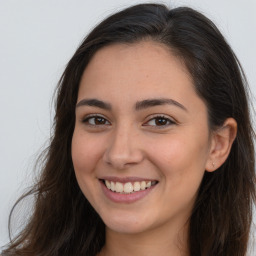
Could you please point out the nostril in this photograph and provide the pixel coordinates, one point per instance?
(121, 160)
(122, 150)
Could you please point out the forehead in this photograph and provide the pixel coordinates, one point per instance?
(141, 70)
(141, 57)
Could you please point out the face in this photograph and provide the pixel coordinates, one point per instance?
(141, 139)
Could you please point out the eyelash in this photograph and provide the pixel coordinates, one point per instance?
(168, 121)
(87, 119)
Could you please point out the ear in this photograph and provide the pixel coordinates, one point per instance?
(221, 143)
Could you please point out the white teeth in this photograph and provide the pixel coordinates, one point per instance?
(143, 185)
(119, 187)
(136, 186)
(112, 186)
(108, 184)
(128, 187)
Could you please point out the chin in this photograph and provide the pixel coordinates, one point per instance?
(126, 228)
(127, 223)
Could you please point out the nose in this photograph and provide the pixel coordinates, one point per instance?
(123, 149)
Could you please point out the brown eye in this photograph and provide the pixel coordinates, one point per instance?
(99, 120)
(159, 121)
(96, 120)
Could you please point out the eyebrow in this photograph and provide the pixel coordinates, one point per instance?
(94, 103)
(140, 105)
(157, 102)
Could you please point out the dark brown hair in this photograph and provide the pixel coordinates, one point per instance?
(63, 221)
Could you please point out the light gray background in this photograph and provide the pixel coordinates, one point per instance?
(37, 38)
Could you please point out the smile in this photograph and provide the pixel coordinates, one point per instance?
(128, 187)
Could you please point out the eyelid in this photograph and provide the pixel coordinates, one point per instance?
(171, 120)
(89, 116)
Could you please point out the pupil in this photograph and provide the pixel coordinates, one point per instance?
(161, 121)
(100, 120)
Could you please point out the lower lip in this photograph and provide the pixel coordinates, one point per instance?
(125, 198)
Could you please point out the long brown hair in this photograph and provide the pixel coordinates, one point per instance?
(63, 221)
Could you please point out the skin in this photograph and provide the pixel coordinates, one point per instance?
(134, 143)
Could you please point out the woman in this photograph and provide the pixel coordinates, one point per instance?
(152, 152)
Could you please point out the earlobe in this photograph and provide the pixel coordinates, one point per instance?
(221, 143)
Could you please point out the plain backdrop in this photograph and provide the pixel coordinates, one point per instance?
(37, 38)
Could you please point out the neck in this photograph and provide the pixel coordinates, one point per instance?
(164, 240)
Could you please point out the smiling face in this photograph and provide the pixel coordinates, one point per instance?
(141, 130)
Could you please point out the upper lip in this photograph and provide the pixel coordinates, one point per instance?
(125, 179)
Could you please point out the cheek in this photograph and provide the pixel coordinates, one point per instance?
(180, 159)
(85, 157)
(85, 152)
